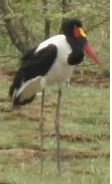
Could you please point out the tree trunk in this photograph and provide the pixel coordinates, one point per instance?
(64, 6)
(11, 28)
(47, 20)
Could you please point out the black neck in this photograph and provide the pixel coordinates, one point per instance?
(77, 54)
(76, 42)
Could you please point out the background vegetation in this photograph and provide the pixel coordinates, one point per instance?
(85, 105)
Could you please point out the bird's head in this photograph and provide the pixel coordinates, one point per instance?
(73, 28)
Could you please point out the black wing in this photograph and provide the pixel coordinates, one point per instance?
(34, 64)
(38, 63)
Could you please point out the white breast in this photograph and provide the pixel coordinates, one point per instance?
(59, 73)
(60, 70)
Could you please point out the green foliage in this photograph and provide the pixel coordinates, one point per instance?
(33, 15)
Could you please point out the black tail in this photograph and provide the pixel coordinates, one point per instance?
(16, 85)
(21, 76)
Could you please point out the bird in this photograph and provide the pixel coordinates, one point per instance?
(51, 62)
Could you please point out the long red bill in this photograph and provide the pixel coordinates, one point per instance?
(89, 50)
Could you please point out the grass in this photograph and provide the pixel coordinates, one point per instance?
(84, 137)
(75, 171)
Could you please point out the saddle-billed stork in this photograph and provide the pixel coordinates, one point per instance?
(51, 62)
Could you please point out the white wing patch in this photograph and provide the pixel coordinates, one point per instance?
(28, 89)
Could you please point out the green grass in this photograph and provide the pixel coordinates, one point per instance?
(84, 143)
(85, 171)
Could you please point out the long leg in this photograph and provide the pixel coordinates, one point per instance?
(57, 123)
(41, 131)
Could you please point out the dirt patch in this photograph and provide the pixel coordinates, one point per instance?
(91, 78)
(88, 77)
(83, 154)
(5, 109)
(4, 99)
(80, 137)
(27, 154)
(84, 172)
(19, 115)
(14, 114)
(5, 183)
(9, 73)
(88, 172)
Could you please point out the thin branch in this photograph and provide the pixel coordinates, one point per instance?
(101, 5)
(98, 24)
(10, 56)
(79, 4)
(28, 34)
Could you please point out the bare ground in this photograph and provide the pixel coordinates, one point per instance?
(27, 154)
(88, 77)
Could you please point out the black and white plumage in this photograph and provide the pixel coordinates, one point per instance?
(50, 63)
